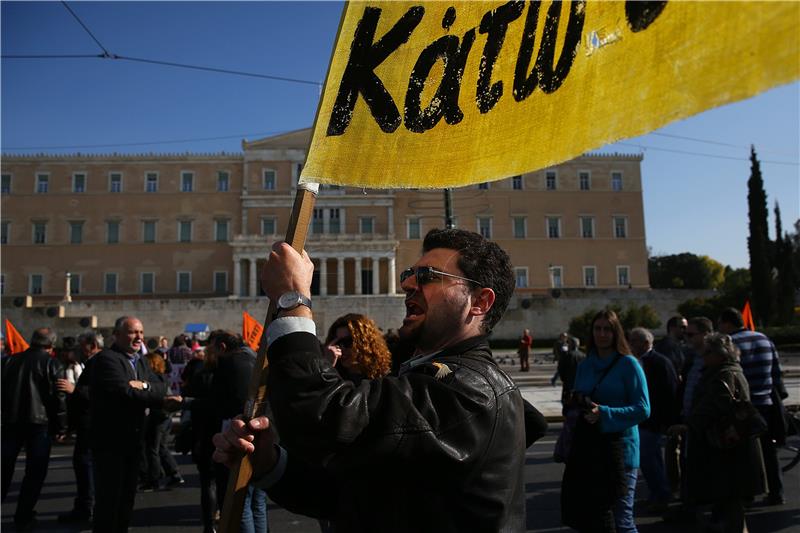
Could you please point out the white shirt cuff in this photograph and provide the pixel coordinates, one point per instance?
(267, 481)
(289, 324)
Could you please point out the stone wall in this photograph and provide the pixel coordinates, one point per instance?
(544, 315)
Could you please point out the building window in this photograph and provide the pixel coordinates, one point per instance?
(221, 230)
(2, 284)
(550, 180)
(40, 233)
(520, 227)
(112, 231)
(621, 227)
(5, 184)
(184, 231)
(585, 180)
(623, 276)
(616, 181)
(76, 232)
(79, 183)
(318, 222)
(149, 231)
(587, 227)
(184, 282)
(589, 276)
(220, 282)
(110, 283)
(151, 182)
(556, 277)
(147, 283)
(5, 229)
(187, 181)
(223, 181)
(413, 229)
(35, 283)
(268, 226)
(270, 177)
(366, 225)
(115, 182)
(485, 227)
(75, 284)
(483, 186)
(42, 183)
(516, 183)
(521, 275)
(335, 221)
(553, 227)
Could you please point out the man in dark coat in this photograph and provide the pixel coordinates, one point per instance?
(672, 345)
(662, 385)
(440, 447)
(121, 387)
(34, 412)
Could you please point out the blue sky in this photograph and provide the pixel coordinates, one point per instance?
(694, 203)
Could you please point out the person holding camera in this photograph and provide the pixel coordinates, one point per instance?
(611, 391)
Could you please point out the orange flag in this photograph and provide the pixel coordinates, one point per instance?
(747, 316)
(251, 330)
(15, 343)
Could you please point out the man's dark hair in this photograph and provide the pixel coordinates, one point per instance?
(703, 324)
(43, 338)
(232, 341)
(180, 340)
(732, 316)
(481, 260)
(69, 343)
(674, 321)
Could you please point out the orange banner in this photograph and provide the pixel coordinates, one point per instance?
(15, 343)
(252, 330)
(747, 316)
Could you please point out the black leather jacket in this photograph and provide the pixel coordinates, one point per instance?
(29, 390)
(440, 448)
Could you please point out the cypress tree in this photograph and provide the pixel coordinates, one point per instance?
(786, 284)
(758, 243)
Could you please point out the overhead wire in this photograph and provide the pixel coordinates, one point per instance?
(702, 154)
(105, 51)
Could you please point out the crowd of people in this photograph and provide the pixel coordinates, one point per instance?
(414, 430)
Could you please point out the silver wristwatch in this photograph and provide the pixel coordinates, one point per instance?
(290, 300)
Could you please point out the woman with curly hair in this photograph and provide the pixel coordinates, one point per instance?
(357, 348)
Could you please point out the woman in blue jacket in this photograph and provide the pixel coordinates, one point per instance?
(610, 386)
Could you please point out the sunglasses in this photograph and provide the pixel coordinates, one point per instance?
(427, 274)
(346, 342)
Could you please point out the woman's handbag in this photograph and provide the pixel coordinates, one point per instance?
(742, 422)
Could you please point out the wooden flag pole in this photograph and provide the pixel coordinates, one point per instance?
(242, 471)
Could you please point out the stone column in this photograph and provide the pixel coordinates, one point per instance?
(340, 275)
(392, 275)
(357, 269)
(253, 291)
(323, 276)
(376, 275)
(237, 277)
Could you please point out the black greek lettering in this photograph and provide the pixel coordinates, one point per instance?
(550, 79)
(449, 17)
(524, 83)
(359, 75)
(495, 24)
(445, 101)
(641, 14)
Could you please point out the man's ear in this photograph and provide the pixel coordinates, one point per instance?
(482, 301)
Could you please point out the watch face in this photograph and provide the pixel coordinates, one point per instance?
(289, 300)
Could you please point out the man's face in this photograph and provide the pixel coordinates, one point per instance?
(697, 340)
(678, 331)
(437, 311)
(639, 346)
(130, 336)
(88, 349)
(725, 327)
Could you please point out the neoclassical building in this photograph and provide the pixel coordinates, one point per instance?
(157, 226)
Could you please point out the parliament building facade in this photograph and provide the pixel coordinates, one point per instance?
(159, 226)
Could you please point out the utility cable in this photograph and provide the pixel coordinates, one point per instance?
(717, 143)
(644, 147)
(105, 52)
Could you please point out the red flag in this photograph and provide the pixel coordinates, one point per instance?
(251, 330)
(15, 343)
(747, 316)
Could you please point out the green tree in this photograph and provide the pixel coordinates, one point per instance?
(758, 243)
(685, 271)
(786, 281)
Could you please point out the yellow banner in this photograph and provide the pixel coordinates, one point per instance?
(441, 94)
